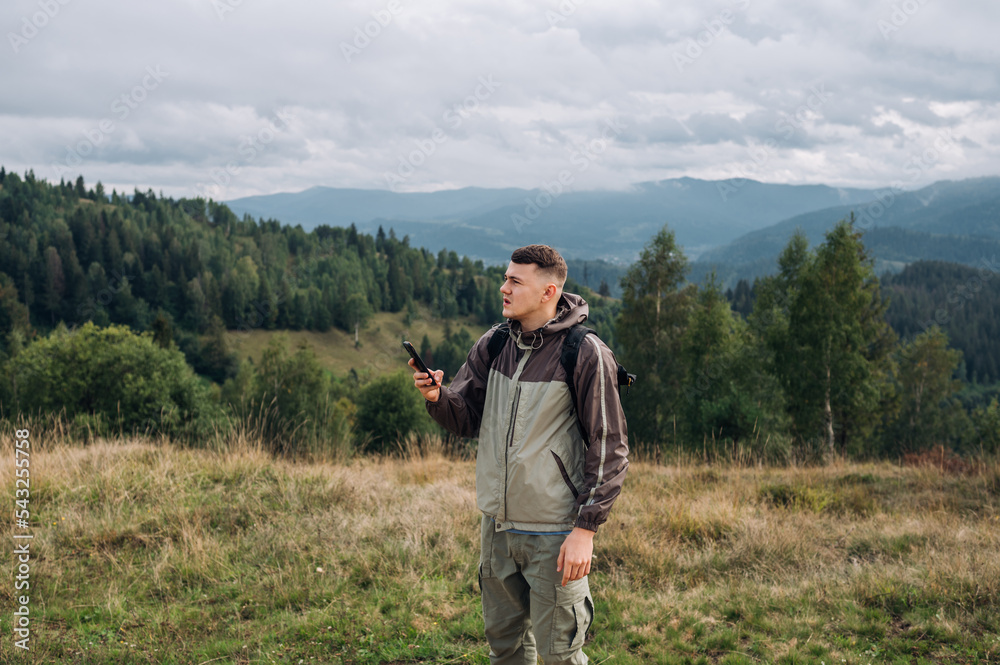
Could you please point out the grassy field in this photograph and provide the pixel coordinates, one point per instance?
(380, 349)
(146, 553)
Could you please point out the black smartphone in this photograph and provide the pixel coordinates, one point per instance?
(418, 362)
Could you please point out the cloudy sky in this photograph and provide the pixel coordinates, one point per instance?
(229, 98)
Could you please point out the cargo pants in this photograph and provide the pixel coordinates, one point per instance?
(527, 611)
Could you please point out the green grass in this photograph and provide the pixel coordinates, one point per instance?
(152, 554)
(380, 350)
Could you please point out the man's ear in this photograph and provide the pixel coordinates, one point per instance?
(550, 292)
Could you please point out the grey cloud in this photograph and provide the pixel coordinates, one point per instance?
(560, 81)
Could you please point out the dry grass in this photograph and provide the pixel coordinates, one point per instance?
(190, 555)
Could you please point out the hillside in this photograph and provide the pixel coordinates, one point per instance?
(892, 247)
(963, 301)
(380, 349)
(949, 220)
(71, 254)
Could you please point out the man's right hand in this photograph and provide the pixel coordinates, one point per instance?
(429, 390)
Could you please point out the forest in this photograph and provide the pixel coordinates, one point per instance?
(115, 311)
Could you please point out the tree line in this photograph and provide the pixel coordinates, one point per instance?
(75, 254)
(805, 363)
(962, 300)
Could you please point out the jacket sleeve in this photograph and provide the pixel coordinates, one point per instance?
(459, 408)
(599, 409)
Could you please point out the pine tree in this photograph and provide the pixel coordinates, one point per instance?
(55, 284)
(426, 353)
(163, 331)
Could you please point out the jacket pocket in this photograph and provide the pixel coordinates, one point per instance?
(565, 474)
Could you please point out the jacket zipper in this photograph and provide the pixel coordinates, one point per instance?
(510, 428)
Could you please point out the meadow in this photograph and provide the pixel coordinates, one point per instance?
(145, 552)
(380, 348)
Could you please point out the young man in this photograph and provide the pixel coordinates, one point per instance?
(547, 469)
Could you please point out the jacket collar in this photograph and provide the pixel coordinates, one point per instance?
(572, 309)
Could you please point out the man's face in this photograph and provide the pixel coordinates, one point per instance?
(523, 290)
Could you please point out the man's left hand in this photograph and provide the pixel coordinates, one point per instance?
(575, 555)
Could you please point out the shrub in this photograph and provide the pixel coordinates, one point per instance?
(113, 376)
(292, 403)
(390, 408)
(987, 422)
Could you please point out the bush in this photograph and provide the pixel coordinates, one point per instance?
(292, 403)
(390, 408)
(987, 423)
(111, 376)
(211, 357)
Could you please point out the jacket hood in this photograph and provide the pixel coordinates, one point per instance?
(572, 309)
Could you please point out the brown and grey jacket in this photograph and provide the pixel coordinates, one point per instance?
(543, 463)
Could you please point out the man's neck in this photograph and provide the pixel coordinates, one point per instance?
(536, 321)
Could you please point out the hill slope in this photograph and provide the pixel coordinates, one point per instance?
(947, 221)
(967, 207)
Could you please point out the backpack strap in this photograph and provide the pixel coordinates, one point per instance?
(497, 341)
(570, 351)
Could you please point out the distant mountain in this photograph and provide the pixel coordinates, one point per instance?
(343, 207)
(611, 225)
(966, 207)
(957, 221)
(893, 249)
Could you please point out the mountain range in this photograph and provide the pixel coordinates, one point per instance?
(613, 225)
(735, 227)
(955, 221)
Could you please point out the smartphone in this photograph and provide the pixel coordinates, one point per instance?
(418, 362)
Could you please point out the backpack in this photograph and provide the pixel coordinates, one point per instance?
(570, 350)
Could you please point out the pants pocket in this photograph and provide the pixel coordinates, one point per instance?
(572, 616)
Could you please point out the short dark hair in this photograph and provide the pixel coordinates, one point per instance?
(547, 259)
